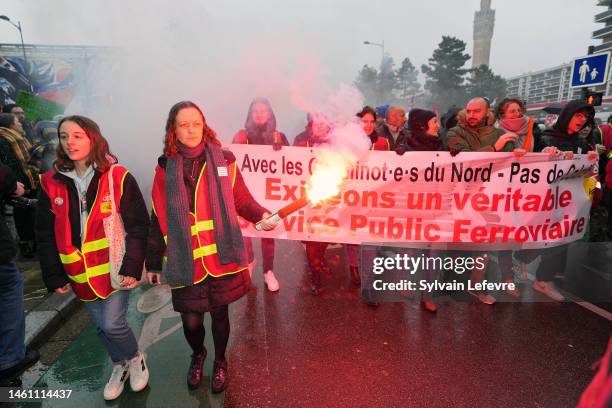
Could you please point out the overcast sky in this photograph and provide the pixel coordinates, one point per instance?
(529, 34)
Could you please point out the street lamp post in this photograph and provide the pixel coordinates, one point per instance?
(18, 26)
(382, 63)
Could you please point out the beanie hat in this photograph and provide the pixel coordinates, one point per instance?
(381, 110)
(418, 118)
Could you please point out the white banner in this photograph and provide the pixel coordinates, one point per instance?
(495, 199)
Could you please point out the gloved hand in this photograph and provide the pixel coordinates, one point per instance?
(400, 150)
(454, 152)
(277, 146)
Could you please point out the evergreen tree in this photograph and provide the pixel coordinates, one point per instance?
(387, 81)
(446, 73)
(483, 82)
(367, 83)
(407, 82)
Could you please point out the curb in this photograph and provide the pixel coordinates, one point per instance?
(46, 317)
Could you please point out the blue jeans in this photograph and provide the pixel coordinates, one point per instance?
(12, 319)
(111, 325)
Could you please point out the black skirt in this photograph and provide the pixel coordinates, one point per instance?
(211, 293)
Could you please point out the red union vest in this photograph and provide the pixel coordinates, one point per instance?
(88, 268)
(205, 258)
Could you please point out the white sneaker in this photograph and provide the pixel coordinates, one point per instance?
(271, 281)
(139, 373)
(548, 289)
(114, 386)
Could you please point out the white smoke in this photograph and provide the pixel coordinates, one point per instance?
(165, 52)
(347, 143)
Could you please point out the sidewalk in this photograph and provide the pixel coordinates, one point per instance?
(45, 311)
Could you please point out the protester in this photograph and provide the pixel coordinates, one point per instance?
(381, 114)
(26, 125)
(198, 193)
(423, 135)
(74, 246)
(599, 139)
(368, 123)
(511, 116)
(14, 152)
(260, 129)
(475, 132)
(393, 129)
(563, 138)
(44, 152)
(318, 136)
(14, 358)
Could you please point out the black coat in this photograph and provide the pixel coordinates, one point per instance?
(558, 137)
(211, 292)
(8, 184)
(135, 221)
(419, 141)
(384, 131)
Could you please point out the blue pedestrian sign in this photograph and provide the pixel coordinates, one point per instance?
(590, 70)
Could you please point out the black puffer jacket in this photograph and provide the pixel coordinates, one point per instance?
(558, 137)
(8, 184)
(135, 221)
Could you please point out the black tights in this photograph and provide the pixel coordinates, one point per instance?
(193, 327)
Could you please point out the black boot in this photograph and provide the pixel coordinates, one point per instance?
(355, 278)
(194, 376)
(218, 382)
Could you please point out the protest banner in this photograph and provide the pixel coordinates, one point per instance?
(495, 199)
